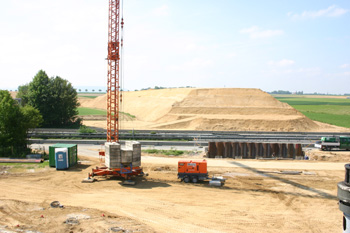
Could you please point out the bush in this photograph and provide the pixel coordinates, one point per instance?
(85, 129)
(165, 152)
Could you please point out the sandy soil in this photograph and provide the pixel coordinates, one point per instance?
(257, 197)
(333, 156)
(231, 109)
(13, 94)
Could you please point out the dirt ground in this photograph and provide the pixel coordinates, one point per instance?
(258, 196)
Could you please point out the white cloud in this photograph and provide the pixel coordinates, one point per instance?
(231, 55)
(199, 62)
(256, 33)
(192, 65)
(341, 74)
(192, 46)
(305, 72)
(346, 74)
(344, 66)
(281, 63)
(332, 11)
(161, 11)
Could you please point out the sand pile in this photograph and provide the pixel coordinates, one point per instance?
(208, 109)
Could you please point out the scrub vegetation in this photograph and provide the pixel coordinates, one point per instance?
(164, 152)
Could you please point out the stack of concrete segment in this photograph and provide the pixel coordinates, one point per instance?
(113, 155)
(126, 157)
(117, 157)
(135, 148)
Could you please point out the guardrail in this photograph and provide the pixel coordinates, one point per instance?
(321, 134)
(184, 135)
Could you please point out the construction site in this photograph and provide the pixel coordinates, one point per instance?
(258, 195)
(226, 186)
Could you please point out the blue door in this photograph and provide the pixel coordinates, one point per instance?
(61, 158)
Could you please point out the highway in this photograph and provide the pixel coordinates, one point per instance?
(91, 150)
(172, 138)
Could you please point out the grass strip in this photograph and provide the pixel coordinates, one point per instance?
(164, 152)
(90, 111)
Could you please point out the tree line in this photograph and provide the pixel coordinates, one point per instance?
(44, 102)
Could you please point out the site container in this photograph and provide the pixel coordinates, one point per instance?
(228, 150)
(220, 147)
(251, 150)
(298, 151)
(275, 147)
(234, 149)
(72, 154)
(291, 151)
(212, 150)
(243, 150)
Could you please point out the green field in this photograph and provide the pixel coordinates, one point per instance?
(90, 111)
(89, 96)
(328, 110)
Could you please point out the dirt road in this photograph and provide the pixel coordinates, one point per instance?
(255, 198)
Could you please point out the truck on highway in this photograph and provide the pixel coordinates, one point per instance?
(195, 171)
(329, 143)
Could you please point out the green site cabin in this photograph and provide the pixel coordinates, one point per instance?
(72, 154)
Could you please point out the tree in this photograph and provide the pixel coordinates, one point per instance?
(79, 90)
(32, 117)
(55, 98)
(86, 90)
(23, 93)
(10, 119)
(14, 124)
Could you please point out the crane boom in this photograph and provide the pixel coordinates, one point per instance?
(113, 87)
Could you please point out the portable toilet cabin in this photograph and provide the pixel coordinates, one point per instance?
(72, 154)
(61, 158)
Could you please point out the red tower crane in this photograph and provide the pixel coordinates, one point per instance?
(114, 97)
(113, 82)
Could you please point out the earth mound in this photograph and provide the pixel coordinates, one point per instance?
(221, 109)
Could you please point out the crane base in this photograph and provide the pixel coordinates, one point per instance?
(88, 180)
(129, 182)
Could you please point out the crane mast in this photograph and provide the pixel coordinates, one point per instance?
(113, 80)
(116, 159)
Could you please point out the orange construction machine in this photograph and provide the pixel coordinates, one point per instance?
(196, 170)
(189, 170)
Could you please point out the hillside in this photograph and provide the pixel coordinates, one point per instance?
(219, 109)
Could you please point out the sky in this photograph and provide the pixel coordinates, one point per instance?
(271, 45)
